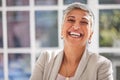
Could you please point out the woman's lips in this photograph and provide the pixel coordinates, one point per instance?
(75, 34)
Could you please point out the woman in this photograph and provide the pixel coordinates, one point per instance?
(75, 62)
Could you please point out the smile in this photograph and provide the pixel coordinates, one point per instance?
(75, 34)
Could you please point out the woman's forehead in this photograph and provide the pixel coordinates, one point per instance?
(78, 14)
(78, 11)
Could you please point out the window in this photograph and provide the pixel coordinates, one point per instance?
(46, 2)
(46, 28)
(109, 31)
(71, 1)
(109, 28)
(109, 1)
(118, 72)
(29, 26)
(18, 29)
(17, 2)
(1, 67)
(1, 31)
(19, 66)
(115, 58)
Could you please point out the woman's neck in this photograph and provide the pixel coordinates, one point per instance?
(73, 54)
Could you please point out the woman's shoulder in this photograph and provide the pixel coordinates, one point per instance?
(49, 55)
(98, 57)
(100, 60)
(102, 65)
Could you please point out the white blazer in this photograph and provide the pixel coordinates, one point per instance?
(92, 66)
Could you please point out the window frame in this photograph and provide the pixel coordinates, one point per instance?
(32, 50)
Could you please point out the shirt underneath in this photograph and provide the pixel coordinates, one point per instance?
(61, 77)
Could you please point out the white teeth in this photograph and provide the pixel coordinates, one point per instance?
(74, 33)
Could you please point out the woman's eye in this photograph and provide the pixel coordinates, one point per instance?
(84, 22)
(71, 20)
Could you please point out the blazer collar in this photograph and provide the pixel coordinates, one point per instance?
(56, 67)
(79, 71)
(82, 65)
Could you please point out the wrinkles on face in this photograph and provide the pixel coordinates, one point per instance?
(76, 26)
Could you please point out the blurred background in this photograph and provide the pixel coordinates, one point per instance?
(29, 26)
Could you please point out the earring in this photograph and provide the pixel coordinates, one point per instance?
(89, 41)
(61, 37)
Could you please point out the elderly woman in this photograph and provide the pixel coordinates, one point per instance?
(75, 62)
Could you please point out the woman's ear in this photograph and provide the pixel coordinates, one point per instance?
(61, 35)
(89, 39)
(90, 35)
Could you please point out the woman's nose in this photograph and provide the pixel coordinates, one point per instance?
(76, 26)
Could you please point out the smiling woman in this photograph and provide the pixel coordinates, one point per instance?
(77, 26)
(75, 61)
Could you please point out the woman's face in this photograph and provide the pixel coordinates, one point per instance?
(76, 29)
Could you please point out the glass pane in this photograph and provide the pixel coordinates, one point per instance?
(118, 72)
(1, 67)
(1, 31)
(115, 59)
(19, 66)
(17, 2)
(109, 1)
(71, 1)
(0, 2)
(46, 2)
(46, 29)
(109, 28)
(18, 29)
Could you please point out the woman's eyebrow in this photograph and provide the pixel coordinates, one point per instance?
(85, 19)
(71, 17)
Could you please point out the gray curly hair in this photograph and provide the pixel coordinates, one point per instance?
(78, 5)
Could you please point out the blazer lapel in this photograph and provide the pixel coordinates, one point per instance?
(81, 66)
(56, 67)
(57, 63)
